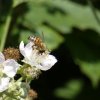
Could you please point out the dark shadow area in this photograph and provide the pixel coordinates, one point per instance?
(18, 12)
(89, 93)
(52, 27)
(96, 3)
(82, 2)
(84, 45)
(66, 70)
(5, 7)
(12, 41)
(63, 71)
(53, 9)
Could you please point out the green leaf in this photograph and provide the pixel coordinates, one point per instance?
(39, 14)
(24, 35)
(86, 54)
(18, 2)
(62, 15)
(77, 15)
(70, 90)
(51, 38)
(92, 70)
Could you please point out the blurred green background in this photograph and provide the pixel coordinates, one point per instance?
(71, 30)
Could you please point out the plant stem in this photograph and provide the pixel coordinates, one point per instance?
(5, 32)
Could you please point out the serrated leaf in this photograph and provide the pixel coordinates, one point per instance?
(38, 14)
(74, 15)
(77, 15)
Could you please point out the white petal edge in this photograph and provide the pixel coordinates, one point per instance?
(4, 82)
(2, 58)
(47, 63)
(10, 67)
(26, 51)
(21, 48)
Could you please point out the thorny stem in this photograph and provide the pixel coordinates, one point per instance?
(94, 11)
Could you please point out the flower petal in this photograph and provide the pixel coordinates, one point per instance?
(21, 48)
(4, 82)
(2, 58)
(27, 50)
(47, 62)
(10, 67)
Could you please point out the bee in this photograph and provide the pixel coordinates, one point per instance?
(38, 44)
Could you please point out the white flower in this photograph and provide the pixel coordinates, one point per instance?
(42, 61)
(4, 82)
(9, 66)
